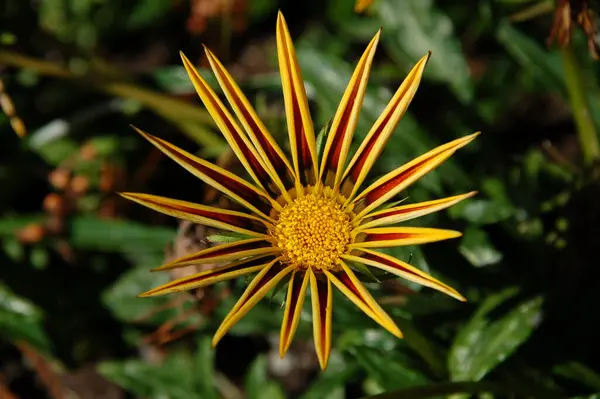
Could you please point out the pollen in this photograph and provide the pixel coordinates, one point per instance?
(313, 231)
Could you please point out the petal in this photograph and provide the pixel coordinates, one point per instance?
(239, 142)
(210, 277)
(264, 142)
(347, 282)
(345, 119)
(402, 269)
(207, 215)
(385, 237)
(322, 307)
(240, 190)
(373, 144)
(403, 213)
(392, 183)
(224, 252)
(258, 288)
(293, 309)
(299, 122)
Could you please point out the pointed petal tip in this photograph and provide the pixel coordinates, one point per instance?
(394, 330)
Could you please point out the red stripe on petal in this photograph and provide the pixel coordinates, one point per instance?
(254, 127)
(226, 272)
(223, 252)
(392, 183)
(239, 189)
(229, 218)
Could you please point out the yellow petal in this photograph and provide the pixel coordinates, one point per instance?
(403, 213)
(347, 282)
(293, 309)
(345, 119)
(207, 215)
(392, 183)
(386, 237)
(322, 307)
(224, 252)
(258, 288)
(210, 277)
(402, 269)
(240, 190)
(264, 142)
(373, 144)
(239, 143)
(299, 122)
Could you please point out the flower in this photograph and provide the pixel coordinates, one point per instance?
(309, 223)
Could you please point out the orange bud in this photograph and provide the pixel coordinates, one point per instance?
(80, 184)
(31, 234)
(54, 203)
(60, 178)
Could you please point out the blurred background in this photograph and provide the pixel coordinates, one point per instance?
(73, 255)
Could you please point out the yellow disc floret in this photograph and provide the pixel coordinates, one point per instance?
(313, 231)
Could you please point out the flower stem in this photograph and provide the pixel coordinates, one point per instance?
(588, 138)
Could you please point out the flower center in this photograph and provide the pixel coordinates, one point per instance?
(313, 231)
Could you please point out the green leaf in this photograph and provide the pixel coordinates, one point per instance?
(482, 211)
(390, 370)
(121, 298)
(414, 27)
(332, 380)
(140, 243)
(204, 366)
(257, 383)
(448, 388)
(147, 12)
(477, 249)
(173, 378)
(174, 79)
(483, 343)
(579, 372)
(545, 67)
(226, 237)
(321, 137)
(21, 320)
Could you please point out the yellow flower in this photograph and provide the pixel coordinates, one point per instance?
(308, 221)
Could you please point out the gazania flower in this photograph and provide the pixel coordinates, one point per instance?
(307, 222)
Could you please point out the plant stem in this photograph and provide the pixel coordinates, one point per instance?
(177, 111)
(588, 138)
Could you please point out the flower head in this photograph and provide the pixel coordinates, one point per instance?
(307, 222)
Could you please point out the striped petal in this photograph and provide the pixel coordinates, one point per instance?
(264, 281)
(322, 307)
(207, 215)
(345, 119)
(385, 237)
(240, 190)
(210, 277)
(299, 122)
(293, 309)
(402, 269)
(403, 213)
(346, 281)
(392, 183)
(239, 143)
(264, 142)
(373, 144)
(224, 252)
